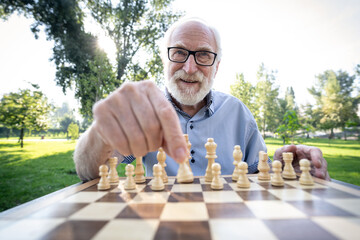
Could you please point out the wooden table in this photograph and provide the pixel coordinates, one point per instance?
(326, 210)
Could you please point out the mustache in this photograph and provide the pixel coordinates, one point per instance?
(196, 77)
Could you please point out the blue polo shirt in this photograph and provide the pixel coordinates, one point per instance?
(225, 119)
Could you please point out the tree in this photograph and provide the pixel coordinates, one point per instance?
(289, 127)
(244, 91)
(65, 122)
(266, 94)
(73, 130)
(135, 26)
(333, 96)
(25, 110)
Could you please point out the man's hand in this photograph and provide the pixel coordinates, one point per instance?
(313, 154)
(137, 119)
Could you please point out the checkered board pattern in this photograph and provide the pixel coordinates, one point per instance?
(195, 211)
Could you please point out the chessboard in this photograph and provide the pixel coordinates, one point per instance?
(325, 210)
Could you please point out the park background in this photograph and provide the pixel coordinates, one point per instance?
(294, 63)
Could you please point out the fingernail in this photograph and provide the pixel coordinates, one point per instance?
(180, 154)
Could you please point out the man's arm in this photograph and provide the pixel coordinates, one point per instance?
(134, 120)
(313, 154)
(90, 152)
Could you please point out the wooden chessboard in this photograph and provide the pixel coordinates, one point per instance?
(326, 210)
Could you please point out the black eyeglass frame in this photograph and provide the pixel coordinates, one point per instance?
(192, 53)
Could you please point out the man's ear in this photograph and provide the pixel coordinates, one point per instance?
(217, 68)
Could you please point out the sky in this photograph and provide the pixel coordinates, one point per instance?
(298, 39)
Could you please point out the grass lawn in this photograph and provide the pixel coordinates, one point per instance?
(42, 167)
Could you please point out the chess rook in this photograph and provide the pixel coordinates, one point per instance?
(104, 183)
(210, 156)
(263, 166)
(276, 179)
(289, 172)
(139, 171)
(237, 154)
(113, 174)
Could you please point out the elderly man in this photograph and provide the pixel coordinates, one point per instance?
(138, 118)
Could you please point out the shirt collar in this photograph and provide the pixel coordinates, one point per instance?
(209, 106)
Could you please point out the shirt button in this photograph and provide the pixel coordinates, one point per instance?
(191, 126)
(192, 160)
(192, 151)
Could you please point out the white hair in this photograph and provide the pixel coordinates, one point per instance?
(165, 41)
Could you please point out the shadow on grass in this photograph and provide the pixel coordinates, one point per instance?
(34, 178)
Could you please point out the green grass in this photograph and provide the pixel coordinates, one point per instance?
(343, 157)
(42, 167)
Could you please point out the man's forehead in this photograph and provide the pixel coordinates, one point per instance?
(193, 34)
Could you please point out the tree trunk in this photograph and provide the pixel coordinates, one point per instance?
(22, 137)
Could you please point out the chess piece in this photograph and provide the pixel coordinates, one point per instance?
(104, 183)
(161, 157)
(276, 179)
(113, 174)
(157, 183)
(184, 174)
(305, 177)
(243, 181)
(139, 171)
(189, 149)
(216, 181)
(210, 155)
(129, 182)
(289, 172)
(237, 154)
(263, 166)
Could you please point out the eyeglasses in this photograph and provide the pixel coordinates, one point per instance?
(181, 55)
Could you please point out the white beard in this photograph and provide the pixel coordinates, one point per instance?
(189, 96)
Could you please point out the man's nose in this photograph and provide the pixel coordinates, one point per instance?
(190, 66)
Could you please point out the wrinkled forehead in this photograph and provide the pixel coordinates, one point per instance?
(193, 35)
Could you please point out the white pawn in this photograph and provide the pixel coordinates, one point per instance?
(243, 181)
(263, 166)
(237, 154)
(305, 177)
(289, 172)
(216, 182)
(184, 174)
(157, 183)
(113, 174)
(276, 179)
(104, 181)
(129, 182)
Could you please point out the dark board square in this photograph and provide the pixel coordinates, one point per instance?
(75, 230)
(207, 187)
(186, 197)
(148, 189)
(319, 208)
(183, 230)
(59, 210)
(328, 193)
(267, 185)
(141, 211)
(94, 188)
(111, 197)
(297, 229)
(228, 210)
(196, 181)
(256, 195)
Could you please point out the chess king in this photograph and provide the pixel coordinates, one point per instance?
(138, 118)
